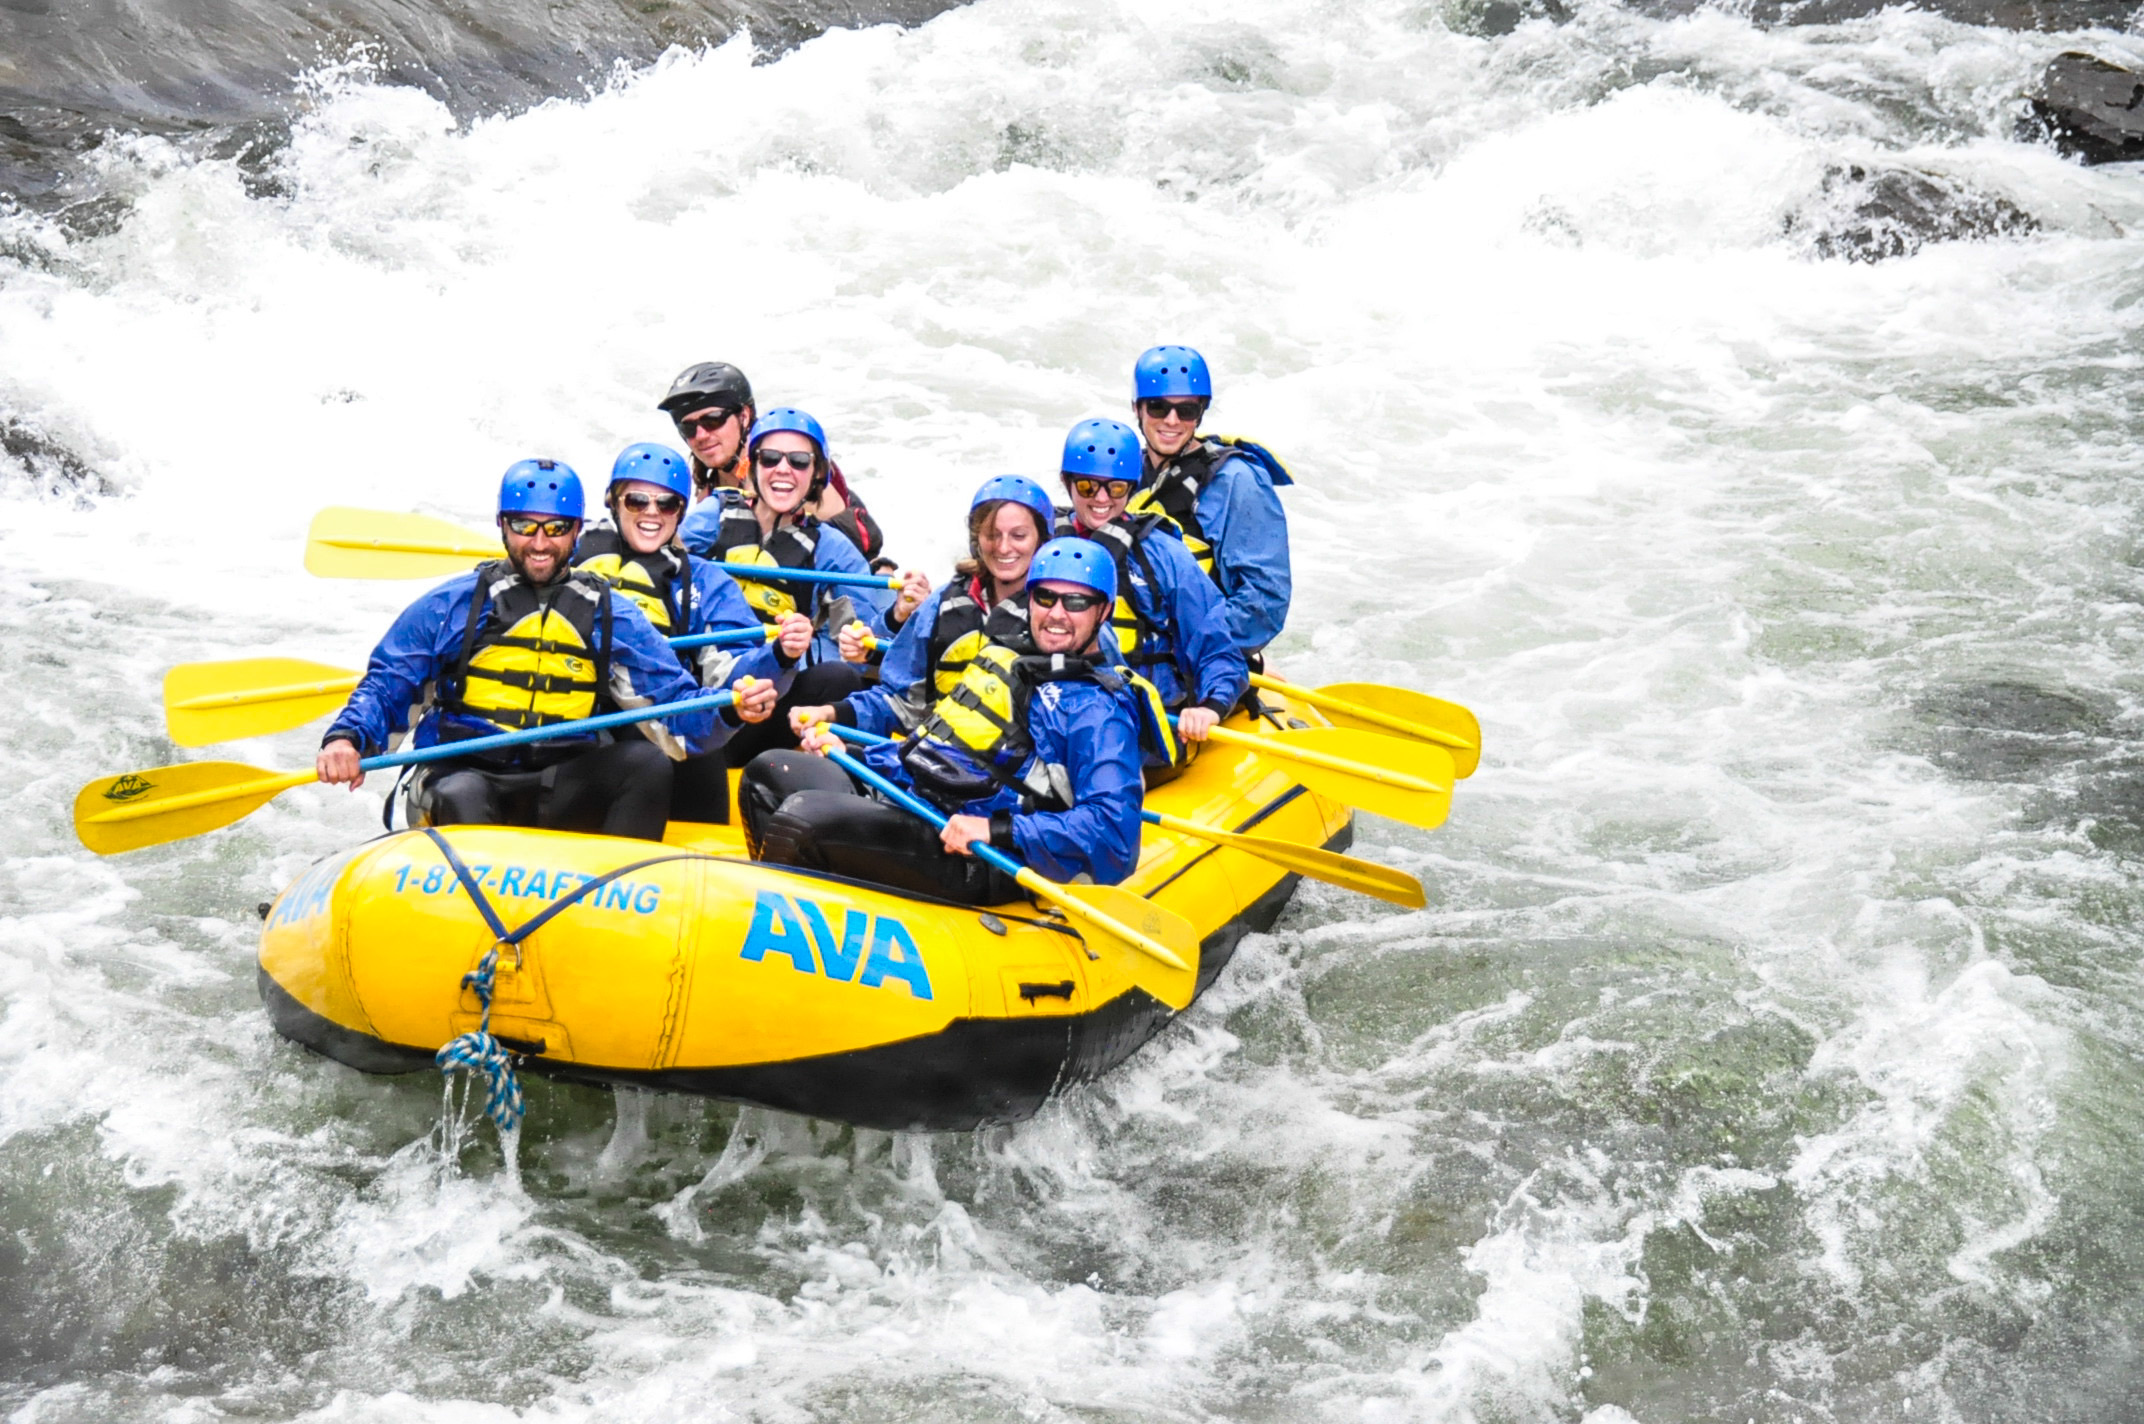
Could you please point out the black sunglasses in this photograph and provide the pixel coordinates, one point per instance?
(640, 502)
(1074, 602)
(526, 526)
(1159, 409)
(772, 459)
(706, 421)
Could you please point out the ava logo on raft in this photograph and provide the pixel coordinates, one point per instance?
(127, 787)
(778, 928)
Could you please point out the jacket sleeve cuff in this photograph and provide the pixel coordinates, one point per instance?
(1220, 707)
(1001, 836)
(781, 657)
(342, 734)
(844, 714)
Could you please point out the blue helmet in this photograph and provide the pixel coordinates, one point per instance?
(541, 487)
(1104, 449)
(788, 417)
(1020, 490)
(1080, 561)
(656, 464)
(1171, 371)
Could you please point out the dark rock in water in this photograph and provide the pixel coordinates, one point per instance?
(73, 70)
(2089, 109)
(1868, 215)
(1488, 19)
(28, 455)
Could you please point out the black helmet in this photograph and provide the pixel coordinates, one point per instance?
(709, 383)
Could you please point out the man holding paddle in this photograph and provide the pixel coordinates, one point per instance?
(520, 643)
(1035, 754)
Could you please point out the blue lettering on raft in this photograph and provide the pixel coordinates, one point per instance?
(777, 929)
(639, 897)
(309, 896)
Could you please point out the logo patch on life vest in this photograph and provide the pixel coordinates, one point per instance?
(880, 944)
(574, 666)
(127, 787)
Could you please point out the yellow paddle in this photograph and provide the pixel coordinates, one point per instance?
(374, 544)
(249, 697)
(169, 803)
(1343, 870)
(1392, 709)
(1364, 877)
(1390, 776)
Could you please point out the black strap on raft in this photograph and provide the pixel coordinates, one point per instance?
(511, 939)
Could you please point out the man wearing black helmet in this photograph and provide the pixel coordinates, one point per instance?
(711, 404)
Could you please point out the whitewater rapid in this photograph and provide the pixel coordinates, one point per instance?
(1770, 1047)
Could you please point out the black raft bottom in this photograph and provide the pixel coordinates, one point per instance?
(973, 1072)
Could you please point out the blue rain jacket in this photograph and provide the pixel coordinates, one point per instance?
(1090, 735)
(718, 606)
(426, 641)
(902, 695)
(1241, 515)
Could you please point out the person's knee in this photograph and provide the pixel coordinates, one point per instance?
(460, 798)
(790, 833)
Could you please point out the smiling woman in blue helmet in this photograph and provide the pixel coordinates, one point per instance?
(1035, 753)
(1219, 491)
(638, 555)
(786, 465)
(985, 602)
(520, 642)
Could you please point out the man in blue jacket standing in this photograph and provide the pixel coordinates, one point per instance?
(524, 642)
(1169, 620)
(1219, 490)
(1035, 752)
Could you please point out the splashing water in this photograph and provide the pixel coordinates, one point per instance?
(1769, 1048)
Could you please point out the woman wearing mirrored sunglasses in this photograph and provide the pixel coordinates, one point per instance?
(638, 555)
(787, 465)
(1219, 491)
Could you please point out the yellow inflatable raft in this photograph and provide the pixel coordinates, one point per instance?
(690, 968)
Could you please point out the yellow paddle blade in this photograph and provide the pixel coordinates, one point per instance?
(1362, 876)
(170, 803)
(374, 544)
(250, 697)
(1167, 965)
(1388, 776)
(1376, 707)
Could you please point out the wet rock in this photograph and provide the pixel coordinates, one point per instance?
(30, 456)
(1871, 214)
(1489, 19)
(2089, 109)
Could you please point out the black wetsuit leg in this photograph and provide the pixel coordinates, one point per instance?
(816, 686)
(460, 793)
(822, 822)
(700, 788)
(622, 789)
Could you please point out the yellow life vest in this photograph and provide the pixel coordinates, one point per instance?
(660, 584)
(1174, 492)
(962, 629)
(531, 657)
(791, 546)
(1141, 639)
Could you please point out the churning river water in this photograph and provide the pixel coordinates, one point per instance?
(1772, 1045)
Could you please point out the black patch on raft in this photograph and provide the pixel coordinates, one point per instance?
(974, 1072)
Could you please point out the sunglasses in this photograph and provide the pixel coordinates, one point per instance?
(705, 422)
(1074, 602)
(529, 526)
(640, 502)
(773, 459)
(1159, 409)
(1118, 489)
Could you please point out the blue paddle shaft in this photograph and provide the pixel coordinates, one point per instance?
(989, 854)
(727, 637)
(446, 751)
(857, 735)
(773, 573)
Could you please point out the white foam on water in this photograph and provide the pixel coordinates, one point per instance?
(1584, 439)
